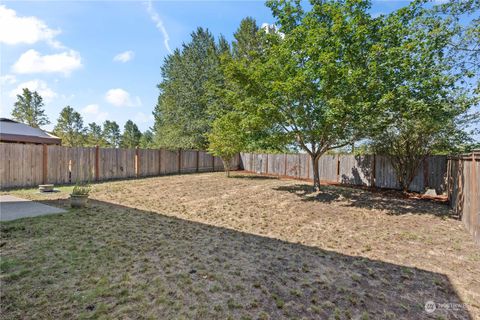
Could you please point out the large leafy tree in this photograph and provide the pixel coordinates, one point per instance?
(227, 138)
(181, 117)
(228, 95)
(111, 133)
(69, 128)
(422, 104)
(310, 86)
(131, 135)
(29, 109)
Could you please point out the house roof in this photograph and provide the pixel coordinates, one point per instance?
(13, 131)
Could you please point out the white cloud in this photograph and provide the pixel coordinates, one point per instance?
(92, 112)
(28, 30)
(121, 98)
(33, 62)
(35, 85)
(8, 79)
(141, 117)
(124, 56)
(159, 24)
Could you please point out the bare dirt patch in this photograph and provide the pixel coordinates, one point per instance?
(204, 246)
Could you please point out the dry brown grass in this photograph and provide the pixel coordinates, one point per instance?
(204, 246)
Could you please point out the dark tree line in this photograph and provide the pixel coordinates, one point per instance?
(29, 109)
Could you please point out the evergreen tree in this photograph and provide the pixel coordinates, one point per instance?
(69, 128)
(247, 41)
(181, 114)
(146, 141)
(29, 109)
(95, 135)
(111, 134)
(131, 135)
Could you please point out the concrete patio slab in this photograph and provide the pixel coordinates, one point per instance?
(12, 208)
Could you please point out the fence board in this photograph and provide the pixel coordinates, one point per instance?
(356, 170)
(149, 162)
(169, 161)
(464, 191)
(20, 165)
(188, 161)
(205, 161)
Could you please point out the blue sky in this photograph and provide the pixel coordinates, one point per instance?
(103, 58)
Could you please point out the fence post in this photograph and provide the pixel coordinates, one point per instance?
(425, 173)
(373, 173)
(97, 164)
(45, 164)
(285, 165)
(179, 160)
(266, 165)
(137, 162)
(308, 166)
(213, 163)
(474, 225)
(338, 167)
(198, 156)
(159, 161)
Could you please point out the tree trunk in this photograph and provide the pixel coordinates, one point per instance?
(226, 165)
(316, 173)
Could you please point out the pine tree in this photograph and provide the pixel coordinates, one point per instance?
(95, 135)
(146, 141)
(29, 109)
(181, 114)
(131, 135)
(69, 128)
(111, 133)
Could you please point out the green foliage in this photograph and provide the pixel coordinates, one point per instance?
(94, 135)
(421, 102)
(181, 117)
(227, 138)
(29, 109)
(247, 40)
(227, 94)
(146, 141)
(111, 134)
(131, 135)
(310, 83)
(69, 128)
(81, 189)
(463, 19)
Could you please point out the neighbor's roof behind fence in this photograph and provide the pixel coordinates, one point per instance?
(12, 131)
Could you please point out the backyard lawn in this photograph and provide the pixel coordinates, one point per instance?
(204, 246)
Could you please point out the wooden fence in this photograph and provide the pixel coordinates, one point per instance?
(464, 190)
(27, 165)
(368, 170)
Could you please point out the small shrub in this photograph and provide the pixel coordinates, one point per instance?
(81, 189)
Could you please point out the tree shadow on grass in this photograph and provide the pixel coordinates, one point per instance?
(392, 202)
(128, 263)
(252, 177)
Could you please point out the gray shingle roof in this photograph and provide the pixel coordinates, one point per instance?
(13, 131)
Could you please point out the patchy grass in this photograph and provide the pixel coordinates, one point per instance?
(203, 246)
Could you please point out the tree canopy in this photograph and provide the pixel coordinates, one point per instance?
(111, 134)
(69, 127)
(181, 117)
(29, 109)
(131, 135)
